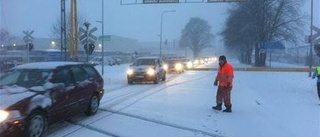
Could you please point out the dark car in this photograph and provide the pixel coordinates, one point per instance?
(188, 63)
(146, 69)
(175, 65)
(34, 96)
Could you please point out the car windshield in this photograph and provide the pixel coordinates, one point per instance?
(144, 62)
(173, 61)
(24, 78)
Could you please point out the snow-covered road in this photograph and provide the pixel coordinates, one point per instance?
(265, 104)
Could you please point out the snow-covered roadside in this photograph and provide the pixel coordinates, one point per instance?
(265, 104)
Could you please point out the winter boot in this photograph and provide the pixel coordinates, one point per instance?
(228, 109)
(217, 107)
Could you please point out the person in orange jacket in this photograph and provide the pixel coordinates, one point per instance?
(224, 80)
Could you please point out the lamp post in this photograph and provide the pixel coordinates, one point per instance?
(311, 43)
(161, 29)
(102, 40)
(53, 44)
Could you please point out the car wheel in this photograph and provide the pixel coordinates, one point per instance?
(156, 80)
(130, 82)
(164, 77)
(93, 105)
(36, 125)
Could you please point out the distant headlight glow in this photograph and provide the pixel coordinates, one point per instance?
(215, 59)
(189, 64)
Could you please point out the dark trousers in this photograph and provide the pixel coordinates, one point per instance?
(318, 88)
(224, 95)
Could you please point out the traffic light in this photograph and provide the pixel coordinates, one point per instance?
(89, 49)
(317, 49)
(29, 46)
(86, 48)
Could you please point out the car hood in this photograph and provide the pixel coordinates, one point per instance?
(10, 95)
(142, 67)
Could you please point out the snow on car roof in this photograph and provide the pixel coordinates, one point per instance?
(45, 65)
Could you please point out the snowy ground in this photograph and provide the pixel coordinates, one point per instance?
(265, 104)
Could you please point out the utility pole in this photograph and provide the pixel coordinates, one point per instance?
(63, 33)
(74, 33)
(160, 54)
(102, 40)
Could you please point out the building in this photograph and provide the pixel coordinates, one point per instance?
(48, 49)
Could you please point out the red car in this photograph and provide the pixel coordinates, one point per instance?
(33, 96)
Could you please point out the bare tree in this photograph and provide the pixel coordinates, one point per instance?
(56, 26)
(5, 37)
(196, 36)
(255, 21)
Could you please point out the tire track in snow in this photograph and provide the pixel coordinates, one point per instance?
(197, 131)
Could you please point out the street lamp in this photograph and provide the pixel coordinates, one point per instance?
(100, 45)
(161, 28)
(311, 43)
(53, 44)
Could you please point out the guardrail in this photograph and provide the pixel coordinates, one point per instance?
(260, 69)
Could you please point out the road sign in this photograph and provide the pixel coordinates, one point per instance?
(93, 30)
(105, 38)
(271, 46)
(91, 36)
(83, 37)
(28, 38)
(316, 37)
(86, 36)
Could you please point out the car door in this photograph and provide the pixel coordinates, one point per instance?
(82, 90)
(62, 105)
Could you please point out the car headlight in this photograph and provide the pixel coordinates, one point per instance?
(130, 72)
(5, 115)
(165, 67)
(189, 64)
(151, 71)
(178, 66)
(196, 62)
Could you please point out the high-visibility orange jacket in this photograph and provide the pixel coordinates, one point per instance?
(225, 75)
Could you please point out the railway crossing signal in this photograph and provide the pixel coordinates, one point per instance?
(28, 40)
(87, 38)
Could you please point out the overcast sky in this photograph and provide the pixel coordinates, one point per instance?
(141, 22)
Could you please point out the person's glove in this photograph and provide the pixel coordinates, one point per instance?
(215, 83)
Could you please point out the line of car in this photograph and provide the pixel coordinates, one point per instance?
(154, 69)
